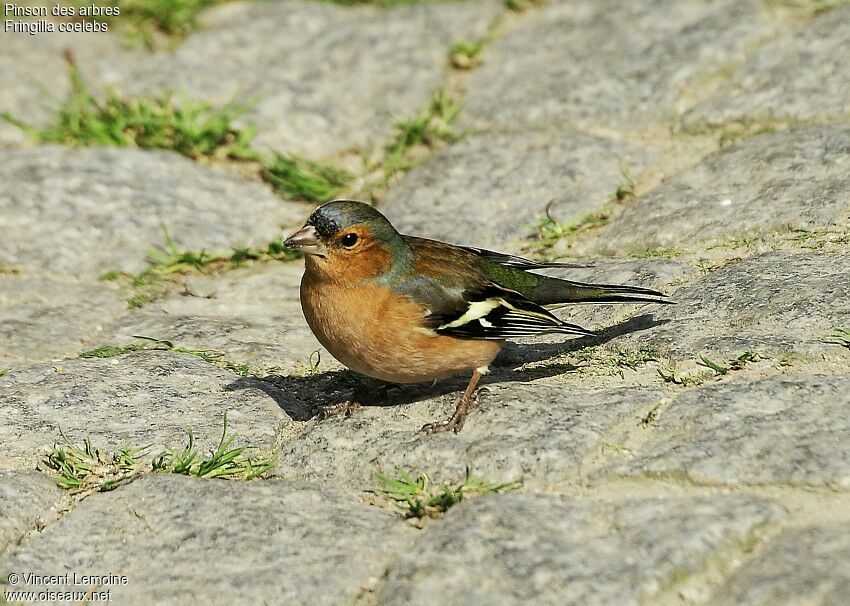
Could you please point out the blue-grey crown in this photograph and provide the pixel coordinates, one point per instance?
(339, 214)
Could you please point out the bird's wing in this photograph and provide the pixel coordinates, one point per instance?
(463, 300)
(479, 269)
(498, 313)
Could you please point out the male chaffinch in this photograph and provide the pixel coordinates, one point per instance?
(404, 309)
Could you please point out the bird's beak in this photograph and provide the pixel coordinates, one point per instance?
(306, 241)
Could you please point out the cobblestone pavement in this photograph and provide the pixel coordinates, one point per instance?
(693, 454)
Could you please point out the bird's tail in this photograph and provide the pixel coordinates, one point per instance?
(554, 291)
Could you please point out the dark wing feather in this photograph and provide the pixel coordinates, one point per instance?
(498, 313)
(518, 262)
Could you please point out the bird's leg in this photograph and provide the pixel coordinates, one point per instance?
(455, 422)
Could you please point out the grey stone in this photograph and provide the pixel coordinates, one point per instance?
(542, 432)
(799, 178)
(789, 429)
(253, 316)
(137, 399)
(798, 77)
(772, 303)
(613, 65)
(186, 541)
(326, 79)
(24, 498)
(805, 566)
(493, 189)
(47, 318)
(86, 211)
(516, 548)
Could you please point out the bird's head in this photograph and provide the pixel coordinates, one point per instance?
(350, 239)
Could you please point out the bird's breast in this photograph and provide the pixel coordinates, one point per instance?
(380, 333)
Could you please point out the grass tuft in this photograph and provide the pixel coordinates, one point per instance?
(417, 500)
(379, 3)
(224, 461)
(550, 231)
(742, 240)
(651, 417)
(633, 358)
(314, 361)
(192, 128)
(10, 270)
(171, 261)
(299, 179)
(137, 300)
(466, 54)
(821, 6)
(109, 276)
(669, 375)
(83, 468)
(519, 6)
(592, 360)
(810, 6)
(110, 351)
(745, 358)
(627, 187)
(734, 364)
(211, 356)
(709, 363)
(174, 17)
(429, 128)
(786, 359)
(656, 252)
(819, 239)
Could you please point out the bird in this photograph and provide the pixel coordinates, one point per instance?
(405, 309)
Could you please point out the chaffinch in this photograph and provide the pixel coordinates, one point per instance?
(404, 309)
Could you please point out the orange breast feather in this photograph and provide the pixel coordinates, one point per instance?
(380, 333)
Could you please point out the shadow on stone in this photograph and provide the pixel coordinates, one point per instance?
(288, 400)
(516, 354)
(302, 397)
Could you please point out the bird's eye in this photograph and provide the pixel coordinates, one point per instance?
(349, 240)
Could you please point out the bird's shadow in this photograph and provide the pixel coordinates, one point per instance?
(301, 397)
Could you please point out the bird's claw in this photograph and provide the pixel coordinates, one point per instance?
(476, 397)
(334, 410)
(451, 424)
(456, 421)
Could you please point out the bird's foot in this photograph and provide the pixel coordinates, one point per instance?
(334, 410)
(453, 423)
(456, 421)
